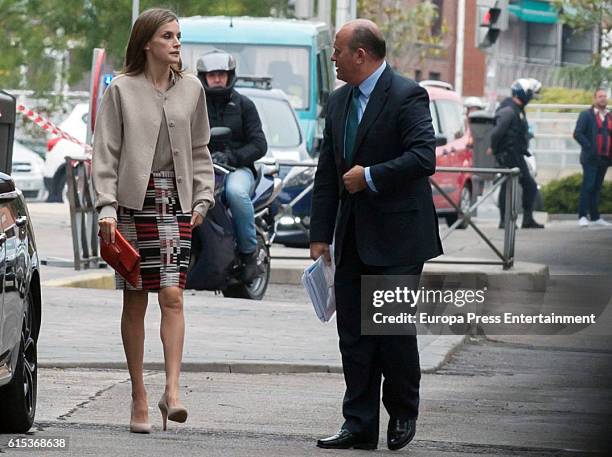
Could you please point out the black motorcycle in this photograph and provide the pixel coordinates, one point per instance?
(215, 261)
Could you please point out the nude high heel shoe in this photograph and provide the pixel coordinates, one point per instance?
(138, 427)
(173, 413)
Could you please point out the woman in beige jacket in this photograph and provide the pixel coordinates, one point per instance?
(154, 181)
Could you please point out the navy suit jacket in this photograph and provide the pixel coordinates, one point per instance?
(398, 224)
(585, 134)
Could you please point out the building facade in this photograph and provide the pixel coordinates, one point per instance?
(536, 44)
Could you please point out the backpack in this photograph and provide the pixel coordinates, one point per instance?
(212, 251)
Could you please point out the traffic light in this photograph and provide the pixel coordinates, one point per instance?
(491, 21)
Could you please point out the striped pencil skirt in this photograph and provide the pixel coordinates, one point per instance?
(161, 233)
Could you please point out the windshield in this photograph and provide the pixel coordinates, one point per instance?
(287, 65)
(278, 122)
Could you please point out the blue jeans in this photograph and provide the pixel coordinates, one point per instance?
(592, 180)
(238, 188)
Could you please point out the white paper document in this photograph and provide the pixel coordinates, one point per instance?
(318, 280)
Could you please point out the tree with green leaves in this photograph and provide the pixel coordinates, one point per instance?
(408, 31)
(582, 16)
(44, 38)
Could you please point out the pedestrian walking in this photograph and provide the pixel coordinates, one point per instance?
(594, 134)
(153, 178)
(372, 194)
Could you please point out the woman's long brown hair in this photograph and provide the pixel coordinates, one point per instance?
(142, 31)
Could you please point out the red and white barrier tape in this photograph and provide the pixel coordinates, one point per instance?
(49, 126)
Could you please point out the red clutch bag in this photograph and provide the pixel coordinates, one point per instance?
(122, 256)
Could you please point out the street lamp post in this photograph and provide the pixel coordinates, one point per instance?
(135, 10)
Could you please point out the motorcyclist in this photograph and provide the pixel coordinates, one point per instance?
(227, 108)
(509, 143)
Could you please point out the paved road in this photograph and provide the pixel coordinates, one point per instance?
(550, 397)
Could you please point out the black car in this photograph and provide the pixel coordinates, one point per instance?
(20, 311)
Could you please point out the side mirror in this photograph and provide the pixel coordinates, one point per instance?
(7, 187)
(441, 139)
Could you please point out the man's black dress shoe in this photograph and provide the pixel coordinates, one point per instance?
(400, 433)
(531, 224)
(347, 440)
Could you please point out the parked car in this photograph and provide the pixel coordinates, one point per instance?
(20, 311)
(58, 148)
(28, 172)
(453, 149)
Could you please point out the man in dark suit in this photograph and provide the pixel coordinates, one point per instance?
(372, 195)
(594, 133)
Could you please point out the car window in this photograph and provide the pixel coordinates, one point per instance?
(434, 117)
(451, 118)
(278, 122)
(322, 75)
(289, 66)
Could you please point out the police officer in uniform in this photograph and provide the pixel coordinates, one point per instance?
(509, 143)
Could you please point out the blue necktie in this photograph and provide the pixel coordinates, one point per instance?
(352, 123)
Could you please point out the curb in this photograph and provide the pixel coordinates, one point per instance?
(433, 357)
(442, 351)
(104, 280)
(210, 367)
(572, 217)
(525, 276)
(238, 367)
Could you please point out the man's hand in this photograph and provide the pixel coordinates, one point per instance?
(354, 179)
(220, 158)
(108, 225)
(318, 249)
(489, 151)
(196, 219)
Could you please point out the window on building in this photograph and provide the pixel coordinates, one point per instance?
(418, 75)
(541, 41)
(435, 75)
(576, 47)
(436, 27)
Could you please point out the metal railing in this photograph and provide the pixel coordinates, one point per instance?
(83, 216)
(509, 175)
(84, 222)
(554, 147)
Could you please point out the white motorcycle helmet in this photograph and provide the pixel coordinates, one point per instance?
(217, 60)
(525, 89)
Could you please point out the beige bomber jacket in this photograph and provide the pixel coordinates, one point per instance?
(125, 137)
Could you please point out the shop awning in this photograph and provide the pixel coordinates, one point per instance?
(534, 11)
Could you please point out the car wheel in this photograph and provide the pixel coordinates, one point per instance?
(18, 398)
(464, 203)
(257, 288)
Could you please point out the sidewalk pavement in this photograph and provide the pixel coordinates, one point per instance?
(81, 328)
